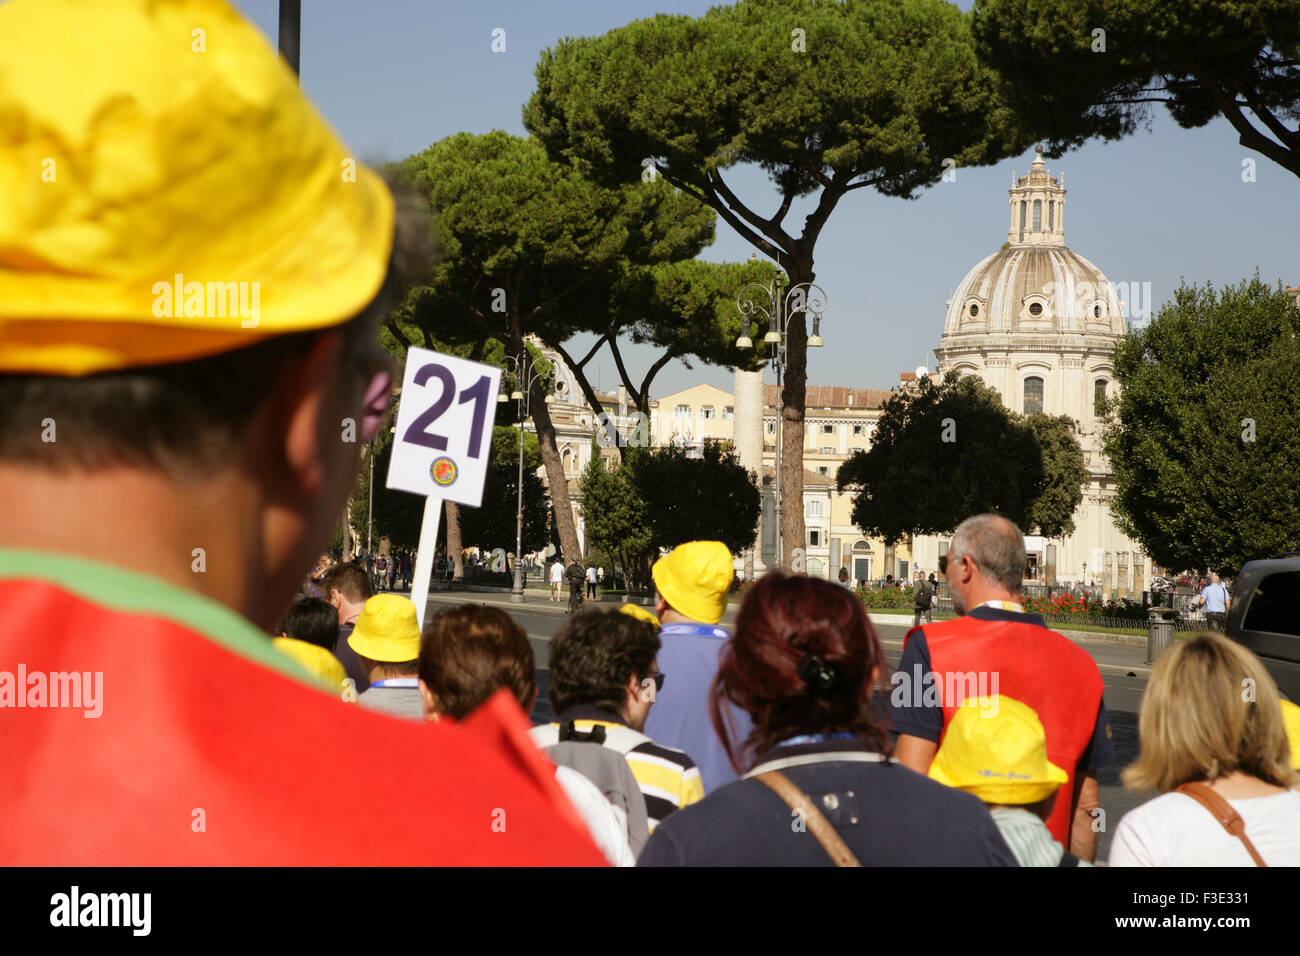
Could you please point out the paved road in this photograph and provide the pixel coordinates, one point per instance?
(1122, 670)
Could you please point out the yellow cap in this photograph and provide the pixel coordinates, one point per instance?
(316, 660)
(387, 630)
(638, 612)
(694, 579)
(996, 748)
(166, 191)
(1291, 721)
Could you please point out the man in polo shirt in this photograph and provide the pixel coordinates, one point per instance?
(387, 642)
(691, 584)
(1214, 597)
(192, 272)
(996, 648)
(347, 587)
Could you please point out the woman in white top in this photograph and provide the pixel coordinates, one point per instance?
(1211, 715)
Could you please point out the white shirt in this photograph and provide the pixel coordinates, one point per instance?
(1175, 830)
(591, 575)
(557, 573)
(607, 826)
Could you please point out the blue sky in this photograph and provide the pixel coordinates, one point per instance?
(393, 76)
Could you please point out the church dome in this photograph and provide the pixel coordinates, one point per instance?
(1034, 283)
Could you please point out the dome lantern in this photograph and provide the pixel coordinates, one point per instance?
(1037, 207)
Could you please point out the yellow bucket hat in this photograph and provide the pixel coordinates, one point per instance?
(166, 190)
(694, 579)
(1291, 721)
(638, 612)
(387, 630)
(996, 748)
(317, 661)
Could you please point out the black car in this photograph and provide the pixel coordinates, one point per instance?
(1265, 617)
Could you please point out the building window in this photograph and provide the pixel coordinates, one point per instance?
(814, 539)
(828, 429)
(1035, 309)
(708, 412)
(812, 509)
(728, 413)
(1033, 396)
(857, 429)
(682, 411)
(823, 470)
(1024, 207)
(1051, 217)
(771, 428)
(1098, 396)
(974, 309)
(827, 450)
(1038, 215)
(1096, 312)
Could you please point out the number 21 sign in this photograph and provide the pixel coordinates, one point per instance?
(444, 427)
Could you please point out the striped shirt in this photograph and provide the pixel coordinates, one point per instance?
(668, 778)
(1028, 837)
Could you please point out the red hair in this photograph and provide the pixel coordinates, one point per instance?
(784, 618)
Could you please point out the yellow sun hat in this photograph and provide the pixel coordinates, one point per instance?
(996, 748)
(317, 661)
(387, 630)
(1291, 721)
(640, 613)
(166, 190)
(694, 579)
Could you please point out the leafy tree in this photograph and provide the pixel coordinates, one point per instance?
(826, 97)
(711, 498)
(529, 247)
(1201, 59)
(396, 514)
(617, 519)
(493, 524)
(1204, 438)
(1064, 475)
(941, 453)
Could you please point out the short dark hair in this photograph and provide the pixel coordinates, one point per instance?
(350, 580)
(469, 652)
(594, 653)
(313, 620)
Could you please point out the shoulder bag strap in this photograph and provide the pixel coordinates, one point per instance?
(1223, 812)
(796, 799)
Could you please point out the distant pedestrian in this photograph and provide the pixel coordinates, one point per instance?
(1214, 598)
(381, 573)
(575, 576)
(557, 578)
(591, 582)
(922, 599)
(1206, 744)
(844, 577)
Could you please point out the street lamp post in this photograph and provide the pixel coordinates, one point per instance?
(767, 300)
(526, 374)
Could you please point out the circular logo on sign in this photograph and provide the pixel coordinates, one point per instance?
(443, 471)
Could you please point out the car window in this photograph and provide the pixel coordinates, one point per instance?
(1275, 605)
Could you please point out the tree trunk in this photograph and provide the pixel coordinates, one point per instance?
(557, 484)
(793, 401)
(454, 546)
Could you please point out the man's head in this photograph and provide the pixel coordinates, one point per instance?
(312, 620)
(202, 332)
(470, 652)
(387, 637)
(692, 582)
(986, 561)
(347, 587)
(1214, 579)
(606, 659)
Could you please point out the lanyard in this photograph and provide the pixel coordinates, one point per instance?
(397, 682)
(702, 630)
(1005, 606)
(814, 739)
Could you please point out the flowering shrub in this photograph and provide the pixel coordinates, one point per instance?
(1065, 605)
(885, 598)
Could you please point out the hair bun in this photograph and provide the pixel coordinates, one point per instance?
(821, 676)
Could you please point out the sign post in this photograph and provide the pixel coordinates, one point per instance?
(443, 438)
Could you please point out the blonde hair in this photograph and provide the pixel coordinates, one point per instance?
(1199, 723)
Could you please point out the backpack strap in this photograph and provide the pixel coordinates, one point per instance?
(1223, 811)
(820, 827)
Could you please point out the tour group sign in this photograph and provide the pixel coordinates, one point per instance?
(441, 444)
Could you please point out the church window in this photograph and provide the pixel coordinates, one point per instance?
(1024, 206)
(1098, 396)
(1035, 309)
(974, 310)
(1038, 215)
(1051, 216)
(1033, 396)
(1096, 311)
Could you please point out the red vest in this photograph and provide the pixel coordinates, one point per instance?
(1035, 666)
(194, 754)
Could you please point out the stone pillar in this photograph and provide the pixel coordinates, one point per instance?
(748, 436)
